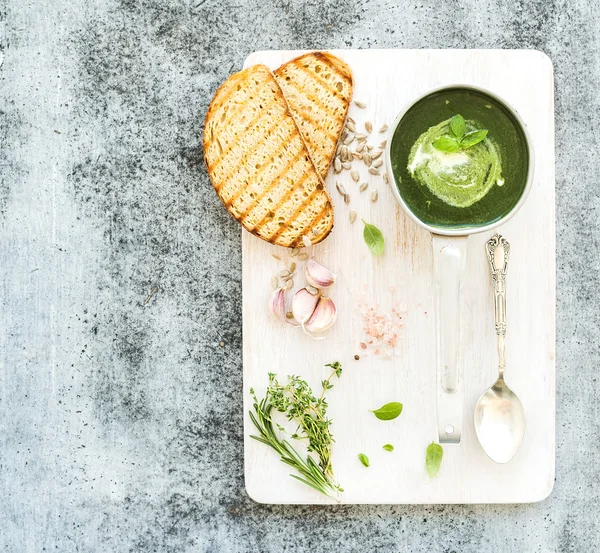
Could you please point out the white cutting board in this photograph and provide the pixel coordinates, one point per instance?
(386, 80)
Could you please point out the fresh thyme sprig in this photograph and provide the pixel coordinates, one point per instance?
(299, 404)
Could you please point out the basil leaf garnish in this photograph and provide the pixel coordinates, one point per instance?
(457, 126)
(446, 144)
(389, 411)
(433, 459)
(473, 138)
(373, 238)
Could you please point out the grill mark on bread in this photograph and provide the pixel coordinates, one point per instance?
(249, 154)
(304, 203)
(322, 83)
(297, 185)
(303, 113)
(263, 168)
(275, 181)
(314, 222)
(333, 62)
(253, 123)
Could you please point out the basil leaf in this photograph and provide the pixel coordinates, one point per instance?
(388, 447)
(433, 459)
(473, 138)
(364, 459)
(457, 126)
(373, 238)
(446, 144)
(389, 411)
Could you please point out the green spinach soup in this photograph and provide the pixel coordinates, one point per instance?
(459, 158)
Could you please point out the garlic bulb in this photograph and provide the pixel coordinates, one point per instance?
(303, 305)
(317, 275)
(276, 304)
(323, 317)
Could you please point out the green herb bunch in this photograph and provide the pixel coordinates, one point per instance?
(459, 138)
(297, 401)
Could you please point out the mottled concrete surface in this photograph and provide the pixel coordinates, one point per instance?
(120, 413)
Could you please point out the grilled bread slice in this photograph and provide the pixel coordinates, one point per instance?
(259, 164)
(318, 89)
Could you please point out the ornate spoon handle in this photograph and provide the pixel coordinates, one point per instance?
(499, 282)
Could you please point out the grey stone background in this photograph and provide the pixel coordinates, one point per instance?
(120, 412)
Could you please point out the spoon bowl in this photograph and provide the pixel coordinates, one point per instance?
(500, 422)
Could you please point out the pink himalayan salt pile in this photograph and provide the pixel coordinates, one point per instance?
(380, 332)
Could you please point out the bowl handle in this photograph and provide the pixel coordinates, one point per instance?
(449, 257)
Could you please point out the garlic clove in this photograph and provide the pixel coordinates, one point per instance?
(323, 317)
(317, 275)
(303, 305)
(276, 304)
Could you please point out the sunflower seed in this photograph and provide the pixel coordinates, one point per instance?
(348, 139)
(369, 147)
(276, 256)
(284, 273)
(383, 128)
(355, 176)
(339, 149)
(292, 267)
(382, 145)
(346, 165)
(385, 178)
(351, 120)
(303, 256)
(363, 186)
(295, 252)
(374, 195)
(343, 135)
(373, 171)
(369, 127)
(352, 215)
(347, 198)
(344, 151)
(337, 165)
(356, 155)
(340, 188)
(274, 283)
(289, 284)
(377, 163)
(366, 158)
(360, 105)
(289, 315)
(376, 155)
(351, 126)
(361, 137)
(360, 147)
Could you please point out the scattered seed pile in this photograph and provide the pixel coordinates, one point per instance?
(286, 276)
(355, 146)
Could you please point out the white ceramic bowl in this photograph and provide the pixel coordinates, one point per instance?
(466, 229)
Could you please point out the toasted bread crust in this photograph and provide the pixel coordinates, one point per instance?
(259, 164)
(318, 88)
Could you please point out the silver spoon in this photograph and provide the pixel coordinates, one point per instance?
(499, 415)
